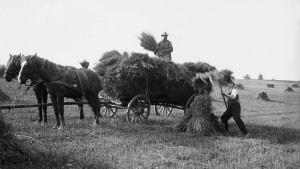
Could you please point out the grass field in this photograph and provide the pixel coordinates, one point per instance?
(274, 140)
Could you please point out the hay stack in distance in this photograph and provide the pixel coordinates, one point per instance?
(289, 89)
(295, 85)
(271, 85)
(263, 96)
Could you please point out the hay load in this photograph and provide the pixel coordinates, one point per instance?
(126, 76)
(263, 96)
(199, 118)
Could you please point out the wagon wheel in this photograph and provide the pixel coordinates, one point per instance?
(163, 110)
(138, 109)
(108, 111)
(188, 103)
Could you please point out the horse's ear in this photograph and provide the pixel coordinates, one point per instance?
(34, 55)
(20, 54)
(10, 55)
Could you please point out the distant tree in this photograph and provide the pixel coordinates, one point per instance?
(247, 76)
(260, 77)
(2, 70)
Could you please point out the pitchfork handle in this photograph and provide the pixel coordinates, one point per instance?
(223, 97)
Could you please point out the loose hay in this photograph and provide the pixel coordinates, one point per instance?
(199, 118)
(263, 96)
(148, 42)
(289, 89)
(4, 97)
(12, 150)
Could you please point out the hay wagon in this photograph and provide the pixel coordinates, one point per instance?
(138, 104)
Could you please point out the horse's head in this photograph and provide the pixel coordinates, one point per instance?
(13, 67)
(28, 69)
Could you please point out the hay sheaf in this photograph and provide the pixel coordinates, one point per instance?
(148, 42)
(199, 118)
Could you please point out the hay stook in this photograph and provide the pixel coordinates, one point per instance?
(263, 96)
(199, 118)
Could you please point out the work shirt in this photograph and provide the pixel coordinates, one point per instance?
(234, 93)
(165, 44)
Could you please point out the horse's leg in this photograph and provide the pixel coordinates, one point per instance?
(60, 100)
(55, 107)
(38, 96)
(95, 104)
(80, 109)
(45, 98)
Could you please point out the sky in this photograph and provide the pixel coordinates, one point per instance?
(244, 36)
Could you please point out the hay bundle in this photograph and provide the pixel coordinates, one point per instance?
(148, 42)
(271, 85)
(240, 86)
(85, 64)
(3, 96)
(199, 117)
(212, 78)
(296, 85)
(263, 96)
(289, 89)
(11, 149)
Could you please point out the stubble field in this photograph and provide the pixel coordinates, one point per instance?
(274, 140)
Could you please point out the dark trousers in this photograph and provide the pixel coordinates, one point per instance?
(234, 110)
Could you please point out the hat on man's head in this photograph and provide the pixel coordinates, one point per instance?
(164, 34)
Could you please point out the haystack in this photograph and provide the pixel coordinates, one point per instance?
(289, 89)
(240, 86)
(4, 97)
(199, 118)
(295, 85)
(263, 96)
(271, 85)
(12, 150)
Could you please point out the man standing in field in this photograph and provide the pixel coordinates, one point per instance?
(164, 48)
(234, 109)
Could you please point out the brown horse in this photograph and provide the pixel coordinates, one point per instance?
(13, 67)
(63, 81)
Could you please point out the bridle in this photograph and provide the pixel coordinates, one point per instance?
(31, 73)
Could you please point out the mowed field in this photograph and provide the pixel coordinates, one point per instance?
(274, 140)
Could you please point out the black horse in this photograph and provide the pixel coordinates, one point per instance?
(63, 81)
(13, 67)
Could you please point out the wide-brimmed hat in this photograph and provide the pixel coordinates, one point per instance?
(164, 34)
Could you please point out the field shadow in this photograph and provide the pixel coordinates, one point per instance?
(154, 128)
(277, 135)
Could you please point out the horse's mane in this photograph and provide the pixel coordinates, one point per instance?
(48, 65)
